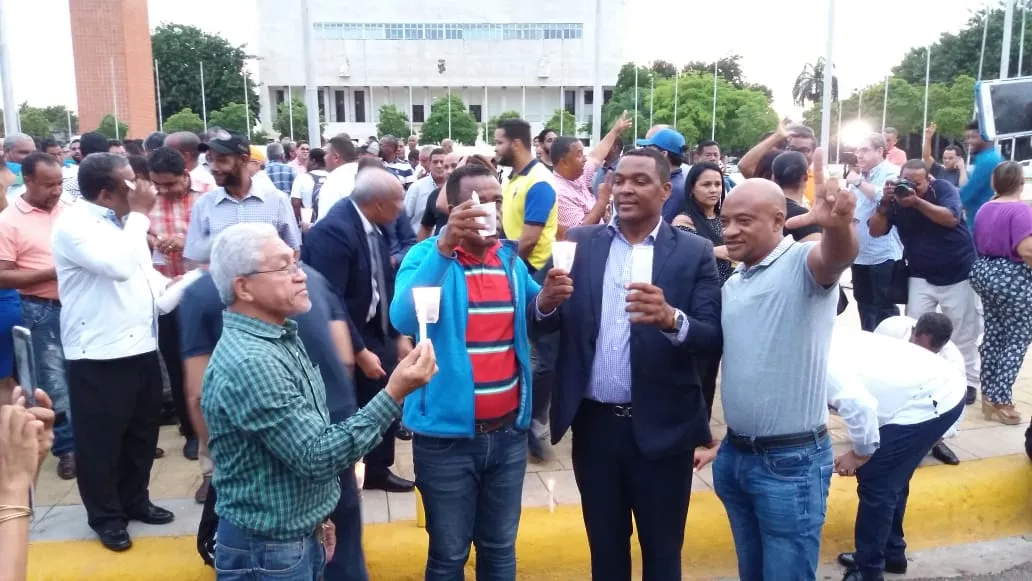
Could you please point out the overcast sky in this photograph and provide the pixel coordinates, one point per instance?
(775, 37)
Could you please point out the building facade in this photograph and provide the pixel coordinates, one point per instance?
(114, 71)
(533, 57)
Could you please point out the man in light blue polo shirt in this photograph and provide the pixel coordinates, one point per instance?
(238, 199)
(872, 270)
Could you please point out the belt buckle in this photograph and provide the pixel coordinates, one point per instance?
(622, 411)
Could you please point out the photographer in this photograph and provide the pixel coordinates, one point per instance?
(939, 251)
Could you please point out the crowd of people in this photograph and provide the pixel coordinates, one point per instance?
(264, 299)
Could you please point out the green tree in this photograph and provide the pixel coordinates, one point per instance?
(728, 68)
(664, 69)
(180, 49)
(809, 84)
(232, 117)
(34, 122)
(492, 123)
(185, 120)
(563, 123)
(283, 115)
(463, 127)
(107, 128)
(392, 122)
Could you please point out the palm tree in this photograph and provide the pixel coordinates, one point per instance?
(809, 85)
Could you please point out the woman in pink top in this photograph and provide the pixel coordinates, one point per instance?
(1002, 277)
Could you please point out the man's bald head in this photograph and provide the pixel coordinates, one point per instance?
(754, 220)
(655, 129)
(379, 194)
(186, 143)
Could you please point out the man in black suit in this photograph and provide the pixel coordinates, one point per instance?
(349, 248)
(628, 377)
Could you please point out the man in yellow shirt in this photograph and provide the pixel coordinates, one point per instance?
(529, 210)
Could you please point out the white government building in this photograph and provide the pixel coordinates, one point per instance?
(529, 56)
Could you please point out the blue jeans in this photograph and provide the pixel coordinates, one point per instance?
(243, 556)
(883, 485)
(776, 502)
(472, 492)
(43, 320)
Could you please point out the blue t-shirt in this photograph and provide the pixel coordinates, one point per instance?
(940, 255)
(200, 326)
(979, 187)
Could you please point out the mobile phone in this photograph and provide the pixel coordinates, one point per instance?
(25, 361)
(1004, 108)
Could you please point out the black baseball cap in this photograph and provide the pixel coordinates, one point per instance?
(226, 142)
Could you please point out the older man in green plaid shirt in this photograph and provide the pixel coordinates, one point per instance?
(277, 455)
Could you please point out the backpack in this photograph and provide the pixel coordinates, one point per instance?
(319, 181)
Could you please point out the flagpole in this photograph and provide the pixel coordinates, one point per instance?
(204, 103)
(114, 98)
(713, 117)
(928, 74)
(860, 105)
(829, 67)
(677, 79)
(635, 101)
(290, 110)
(12, 121)
(247, 103)
(68, 115)
(652, 97)
(885, 103)
(157, 81)
(1008, 29)
(449, 111)
(838, 133)
(981, 62)
(597, 91)
(1021, 42)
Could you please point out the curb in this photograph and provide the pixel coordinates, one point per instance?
(982, 500)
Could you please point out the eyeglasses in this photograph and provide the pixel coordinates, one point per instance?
(292, 269)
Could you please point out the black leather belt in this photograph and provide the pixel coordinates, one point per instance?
(41, 300)
(758, 445)
(620, 410)
(488, 426)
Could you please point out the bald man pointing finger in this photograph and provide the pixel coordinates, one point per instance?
(778, 314)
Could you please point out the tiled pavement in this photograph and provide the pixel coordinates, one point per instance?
(174, 479)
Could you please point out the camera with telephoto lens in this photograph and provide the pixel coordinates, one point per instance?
(904, 188)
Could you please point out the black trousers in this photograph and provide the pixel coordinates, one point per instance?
(709, 367)
(348, 562)
(615, 480)
(116, 404)
(168, 346)
(382, 456)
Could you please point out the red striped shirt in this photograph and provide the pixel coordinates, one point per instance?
(490, 329)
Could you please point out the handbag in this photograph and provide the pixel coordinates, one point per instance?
(899, 284)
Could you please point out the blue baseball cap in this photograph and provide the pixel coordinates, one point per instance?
(667, 139)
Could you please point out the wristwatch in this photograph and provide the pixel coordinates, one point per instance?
(679, 319)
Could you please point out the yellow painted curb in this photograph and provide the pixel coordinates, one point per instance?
(980, 500)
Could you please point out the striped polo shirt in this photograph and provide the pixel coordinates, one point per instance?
(490, 330)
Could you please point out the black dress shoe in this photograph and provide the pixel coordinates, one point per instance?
(66, 466)
(942, 453)
(158, 453)
(848, 560)
(115, 539)
(858, 576)
(972, 395)
(152, 515)
(404, 434)
(190, 449)
(388, 482)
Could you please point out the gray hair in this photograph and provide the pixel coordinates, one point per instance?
(426, 149)
(370, 184)
(237, 252)
(13, 139)
(274, 151)
(877, 141)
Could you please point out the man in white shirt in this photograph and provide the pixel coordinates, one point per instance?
(901, 398)
(342, 163)
(932, 331)
(308, 185)
(107, 287)
(419, 193)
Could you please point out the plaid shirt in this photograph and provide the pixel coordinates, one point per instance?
(277, 455)
(171, 217)
(282, 176)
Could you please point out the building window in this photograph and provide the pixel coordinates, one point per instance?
(607, 96)
(589, 97)
(475, 111)
(322, 105)
(449, 31)
(281, 95)
(570, 102)
(417, 114)
(340, 104)
(359, 106)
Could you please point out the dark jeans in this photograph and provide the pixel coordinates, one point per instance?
(776, 502)
(243, 556)
(168, 346)
(43, 319)
(616, 480)
(883, 485)
(116, 404)
(871, 291)
(381, 458)
(348, 562)
(472, 492)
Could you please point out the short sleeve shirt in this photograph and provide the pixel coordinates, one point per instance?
(529, 198)
(942, 256)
